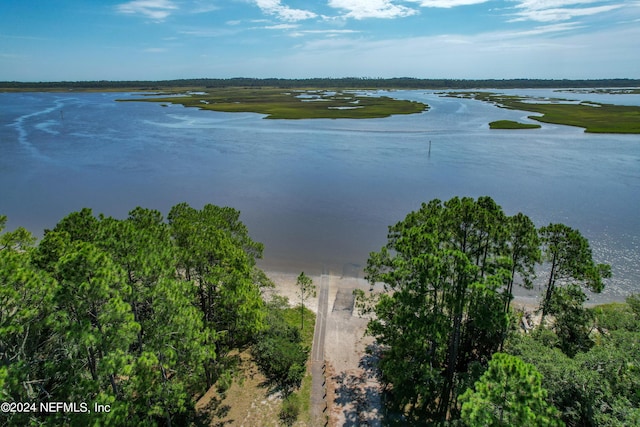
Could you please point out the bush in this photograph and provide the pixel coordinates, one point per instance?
(281, 360)
(279, 352)
(634, 303)
(615, 316)
(290, 409)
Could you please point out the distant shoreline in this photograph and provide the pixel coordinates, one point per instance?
(319, 83)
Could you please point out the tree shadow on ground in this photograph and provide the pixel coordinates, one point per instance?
(214, 410)
(358, 394)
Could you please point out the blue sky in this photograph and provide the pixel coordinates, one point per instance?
(51, 40)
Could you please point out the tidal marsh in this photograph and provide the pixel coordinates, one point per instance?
(594, 117)
(292, 104)
(509, 124)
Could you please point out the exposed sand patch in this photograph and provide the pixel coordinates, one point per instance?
(286, 287)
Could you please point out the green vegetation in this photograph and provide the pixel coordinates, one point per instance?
(249, 398)
(143, 315)
(146, 316)
(598, 386)
(509, 393)
(296, 104)
(306, 289)
(570, 260)
(281, 350)
(448, 271)
(509, 124)
(138, 314)
(290, 409)
(276, 98)
(594, 117)
(622, 91)
(321, 83)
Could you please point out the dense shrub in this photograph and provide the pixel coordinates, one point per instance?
(290, 409)
(279, 351)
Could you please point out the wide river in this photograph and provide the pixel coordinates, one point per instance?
(318, 193)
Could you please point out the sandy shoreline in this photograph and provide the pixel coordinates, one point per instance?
(285, 285)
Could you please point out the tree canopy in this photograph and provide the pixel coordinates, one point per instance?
(131, 313)
(142, 313)
(448, 271)
(509, 393)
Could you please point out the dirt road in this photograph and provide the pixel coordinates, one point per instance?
(352, 388)
(318, 366)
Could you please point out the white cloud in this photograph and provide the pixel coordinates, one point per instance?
(275, 7)
(6, 36)
(546, 29)
(329, 33)
(280, 27)
(549, 51)
(203, 6)
(12, 56)
(552, 4)
(558, 10)
(210, 32)
(361, 9)
(158, 10)
(447, 3)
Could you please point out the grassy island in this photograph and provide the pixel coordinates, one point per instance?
(292, 104)
(594, 117)
(509, 124)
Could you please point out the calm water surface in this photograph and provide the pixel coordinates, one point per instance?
(318, 193)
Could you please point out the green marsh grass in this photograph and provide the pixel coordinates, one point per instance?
(509, 124)
(293, 104)
(593, 117)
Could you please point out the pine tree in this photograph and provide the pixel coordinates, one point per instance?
(509, 393)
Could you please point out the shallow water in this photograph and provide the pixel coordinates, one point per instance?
(318, 193)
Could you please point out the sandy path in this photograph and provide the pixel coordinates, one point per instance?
(353, 390)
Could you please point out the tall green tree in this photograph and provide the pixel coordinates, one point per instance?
(306, 289)
(168, 371)
(141, 245)
(81, 225)
(524, 253)
(92, 331)
(445, 265)
(172, 344)
(131, 313)
(570, 261)
(20, 239)
(215, 253)
(26, 304)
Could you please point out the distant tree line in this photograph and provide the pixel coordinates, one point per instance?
(329, 83)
